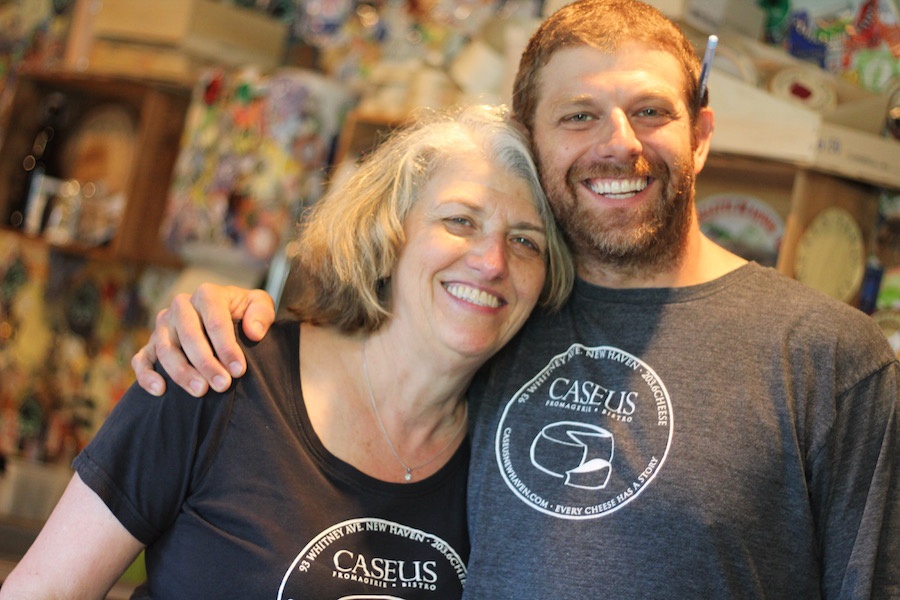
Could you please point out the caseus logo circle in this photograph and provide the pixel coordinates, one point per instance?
(587, 434)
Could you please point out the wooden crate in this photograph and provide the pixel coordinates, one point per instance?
(159, 113)
(798, 194)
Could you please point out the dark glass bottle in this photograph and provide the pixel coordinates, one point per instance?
(41, 158)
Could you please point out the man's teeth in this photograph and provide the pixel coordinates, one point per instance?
(479, 297)
(612, 187)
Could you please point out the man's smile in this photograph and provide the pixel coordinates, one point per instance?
(618, 188)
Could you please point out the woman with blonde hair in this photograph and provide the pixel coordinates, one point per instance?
(336, 466)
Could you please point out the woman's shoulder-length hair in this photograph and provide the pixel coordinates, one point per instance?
(349, 241)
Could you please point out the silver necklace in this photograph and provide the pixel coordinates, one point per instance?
(408, 475)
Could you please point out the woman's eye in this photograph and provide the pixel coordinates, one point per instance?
(458, 225)
(528, 244)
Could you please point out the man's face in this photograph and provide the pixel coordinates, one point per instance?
(613, 140)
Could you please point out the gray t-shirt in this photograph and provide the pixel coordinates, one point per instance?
(736, 439)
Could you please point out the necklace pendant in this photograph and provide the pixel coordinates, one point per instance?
(408, 475)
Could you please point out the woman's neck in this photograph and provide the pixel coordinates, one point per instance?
(410, 409)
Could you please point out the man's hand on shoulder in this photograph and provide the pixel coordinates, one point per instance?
(194, 338)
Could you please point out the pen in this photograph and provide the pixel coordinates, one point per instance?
(711, 43)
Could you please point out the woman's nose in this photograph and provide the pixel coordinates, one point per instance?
(489, 257)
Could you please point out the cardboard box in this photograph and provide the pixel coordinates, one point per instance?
(148, 61)
(850, 144)
(200, 31)
(752, 122)
(714, 16)
(844, 140)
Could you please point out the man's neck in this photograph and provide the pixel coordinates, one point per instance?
(700, 261)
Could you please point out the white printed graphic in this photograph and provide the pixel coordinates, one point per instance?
(586, 435)
(400, 562)
(577, 452)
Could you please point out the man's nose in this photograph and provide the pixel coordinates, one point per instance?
(617, 138)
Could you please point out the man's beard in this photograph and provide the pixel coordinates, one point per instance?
(633, 242)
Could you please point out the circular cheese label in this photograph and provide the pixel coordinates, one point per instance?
(831, 254)
(804, 86)
(743, 224)
(102, 148)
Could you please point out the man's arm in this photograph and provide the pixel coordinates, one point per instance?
(855, 491)
(194, 338)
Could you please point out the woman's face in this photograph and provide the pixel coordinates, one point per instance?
(474, 262)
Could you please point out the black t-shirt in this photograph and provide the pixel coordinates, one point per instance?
(235, 496)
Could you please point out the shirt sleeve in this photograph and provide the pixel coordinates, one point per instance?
(150, 453)
(854, 486)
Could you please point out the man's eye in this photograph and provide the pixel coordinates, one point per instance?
(656, 114)
(579, 117)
